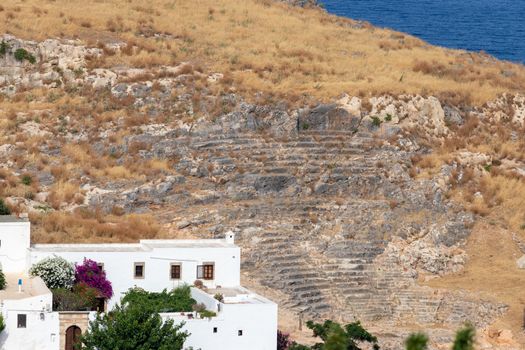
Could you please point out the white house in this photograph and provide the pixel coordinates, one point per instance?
(244, 319)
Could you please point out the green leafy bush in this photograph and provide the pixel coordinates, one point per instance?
(56, 272)
(4, 209)
(219, 297)
(464, 339)
(2, 280)
(177, 300)
(207, 314)
(133, 327)
(376, 121)
(2, 323)
(74, 300)
(296, 346)
(336, 336)
(4, 47)
(27, 180)
(417, 341)
(200, 308)
(23, 54)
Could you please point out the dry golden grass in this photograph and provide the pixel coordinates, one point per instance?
(63, 192)
(492, 189)
(266, 46)
(85, 225)
(491, 273)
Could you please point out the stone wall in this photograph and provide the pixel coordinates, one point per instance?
(72, 318)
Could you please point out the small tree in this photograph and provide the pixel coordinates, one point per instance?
(23, 54)
(90, 274)
(4, 209)
(2, 323)
(465, 338)
(2, 280)
(132, 327)
(355, 333)
(336, 339)
(27, 179)
(417, 341)
(80, 298)
(56, 272)
(4, 47)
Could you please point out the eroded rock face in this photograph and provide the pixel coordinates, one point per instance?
(56, 62)
(411, 111)
(326, 214)
(506, 108)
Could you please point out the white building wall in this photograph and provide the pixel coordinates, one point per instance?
(14, 242)
(258, 323)
(256, 317)
(41, 332)
(119, 266)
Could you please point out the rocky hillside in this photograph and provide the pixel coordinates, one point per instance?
(362, 206)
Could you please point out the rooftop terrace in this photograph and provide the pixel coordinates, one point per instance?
(31, 287)
(12, 218)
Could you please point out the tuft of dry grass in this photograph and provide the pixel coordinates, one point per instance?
(63, 192)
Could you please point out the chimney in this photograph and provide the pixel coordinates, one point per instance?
(230, 237)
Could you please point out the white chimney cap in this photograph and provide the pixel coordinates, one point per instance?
(230, 237)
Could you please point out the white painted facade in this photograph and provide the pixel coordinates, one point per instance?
(244, 319)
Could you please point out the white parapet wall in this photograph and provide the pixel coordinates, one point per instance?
(14, 243)
(29, 322)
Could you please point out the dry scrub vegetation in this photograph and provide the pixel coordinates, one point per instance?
(72, 162)
(495, 188)
(84, 225)
(259, 46)
(267, 46)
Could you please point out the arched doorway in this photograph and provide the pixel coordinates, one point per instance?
(72, 337)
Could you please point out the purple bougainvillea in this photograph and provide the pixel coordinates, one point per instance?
(283, 340)
(91, 274)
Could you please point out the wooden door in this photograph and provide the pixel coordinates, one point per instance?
(72, 337)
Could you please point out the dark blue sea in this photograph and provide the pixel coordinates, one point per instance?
(494, 26)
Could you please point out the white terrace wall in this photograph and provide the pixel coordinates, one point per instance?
(14, 242)
(119, 266)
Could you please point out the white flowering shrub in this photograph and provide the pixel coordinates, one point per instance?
(55, 271)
